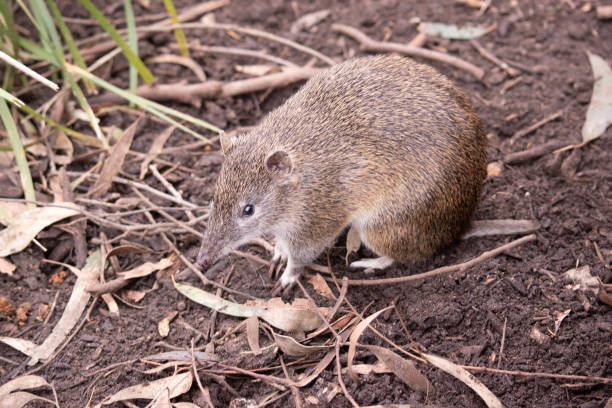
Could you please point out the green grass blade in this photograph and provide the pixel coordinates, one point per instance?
(153, 107)
(178, 32)
(12, 99)
(112, 31)
(132, 41)
(77, 58)
(20, 157)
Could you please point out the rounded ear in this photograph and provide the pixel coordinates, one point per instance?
(279, 162)
(226, 141)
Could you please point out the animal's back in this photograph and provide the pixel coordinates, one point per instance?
(385, 136)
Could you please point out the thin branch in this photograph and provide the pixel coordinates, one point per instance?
(446, 269)
(582, 378)
(368, 44)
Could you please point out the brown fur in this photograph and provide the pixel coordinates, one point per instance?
(383, 143)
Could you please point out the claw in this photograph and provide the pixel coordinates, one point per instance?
(273, 265)
(282, 289)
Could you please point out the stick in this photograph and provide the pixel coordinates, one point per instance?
(445, 269)
(488, 55)
(249, 31)
(503, 340)
(194, 93)
(534, 152)
(584, 378)
(526, 131)
(238, 51)
(368, 44)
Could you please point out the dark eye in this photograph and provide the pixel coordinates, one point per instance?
(248, 210)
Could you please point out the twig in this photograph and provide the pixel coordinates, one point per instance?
(249, 31)
(78, 230)
(585, 378)
(604, 12)
(170, 188)
(368, 44)
(140, 186)
(503, 340)
(238, 51)
(446, 269)
(534, 152)
(213, 316)
(293, 388)
(488, 55)
(527, 130)
(194, 93)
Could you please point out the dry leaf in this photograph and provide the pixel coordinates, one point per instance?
(367, 369)
(25, 382)
(482, 228)
(7, 267)
(321, 287)
(114, 161)
(537, 336)
(291, 347)
(252, 331)
(163, 327)
(599, 112)
(147, 268)
(559, 316)
(467, 378)
(133, 295)
(7, 307)
(176, 384)
(605, 297)
(63, 143)
(28, 224)
(11, 210)
(309, 20)
(402, 368)
(583, 279)
(156, 148)
(357, 331)
(295, 317)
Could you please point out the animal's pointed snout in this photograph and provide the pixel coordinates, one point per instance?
(204, 258)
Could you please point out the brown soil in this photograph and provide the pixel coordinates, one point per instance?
(461, 316)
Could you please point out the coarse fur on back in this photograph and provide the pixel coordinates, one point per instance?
(384, 144)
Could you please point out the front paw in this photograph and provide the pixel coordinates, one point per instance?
(285, 283)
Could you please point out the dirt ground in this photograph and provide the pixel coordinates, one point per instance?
(464, 317)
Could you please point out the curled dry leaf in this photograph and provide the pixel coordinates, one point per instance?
(559, 316)
(7, 267)
(320, 286)
(291, 318)
(404, 369)
(452, 31)
(156, 148)
(309, 20)
(147, 268)
(468, 379)
(176, 385)
(539, 337)
(599, 112)
(113, 163)
(9, 210)
(605, 297)
(163, 327)
(23, 311)
(252, 331)
(291, 347)
(582, 278)
(11, 395)
(357, 331)
(27, 224)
